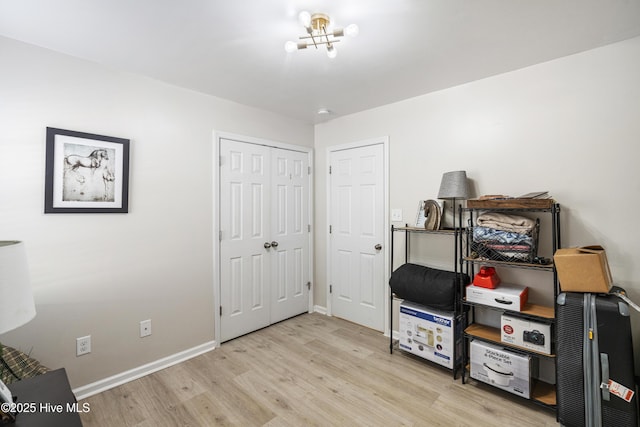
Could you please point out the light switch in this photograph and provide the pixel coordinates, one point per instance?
(396, 214)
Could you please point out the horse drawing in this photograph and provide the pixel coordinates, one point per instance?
(93, 160)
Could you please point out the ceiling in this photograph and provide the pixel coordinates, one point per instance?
(235, 49)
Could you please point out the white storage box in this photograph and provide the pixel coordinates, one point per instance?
(501, 368)
(509, 297)
(429, 333)
(525, 333)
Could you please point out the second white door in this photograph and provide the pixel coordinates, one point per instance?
(357, 234)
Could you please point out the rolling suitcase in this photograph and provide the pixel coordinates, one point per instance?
(595, 366)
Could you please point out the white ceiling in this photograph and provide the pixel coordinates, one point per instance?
(235, 49)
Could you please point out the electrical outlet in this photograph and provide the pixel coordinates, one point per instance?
(83, 345)
(145, 328)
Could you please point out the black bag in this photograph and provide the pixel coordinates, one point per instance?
(427, 286)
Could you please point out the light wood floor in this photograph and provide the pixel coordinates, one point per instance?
(311, 370)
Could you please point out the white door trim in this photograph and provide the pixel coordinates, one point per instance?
(217, 136)
(384, 140)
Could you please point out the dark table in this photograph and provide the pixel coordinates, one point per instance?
(47, 401)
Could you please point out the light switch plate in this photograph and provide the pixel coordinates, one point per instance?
(396, 214)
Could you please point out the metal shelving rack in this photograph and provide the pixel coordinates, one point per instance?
(543, 393)
(407, 230)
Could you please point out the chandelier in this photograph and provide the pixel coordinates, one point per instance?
(318, 34)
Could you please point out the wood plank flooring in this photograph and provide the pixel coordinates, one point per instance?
(311, 370)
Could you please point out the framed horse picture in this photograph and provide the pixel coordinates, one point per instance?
(86, 173)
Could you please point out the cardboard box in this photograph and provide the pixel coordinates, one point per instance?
(501, 368)
(509, 297)
(525, 333)
(584, 269)
(429, 334)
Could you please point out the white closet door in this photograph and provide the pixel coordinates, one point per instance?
(245, 264)
(290, 232)
(264, 251)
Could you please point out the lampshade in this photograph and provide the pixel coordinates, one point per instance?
(352, 30)
(454, 185)
(16, 299)
(304, 18)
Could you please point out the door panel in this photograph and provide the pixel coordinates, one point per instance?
(235, 282)
(243, 217)
(367, 271)
(290, 231)
(357, 226)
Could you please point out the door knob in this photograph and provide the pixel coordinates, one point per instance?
(378, 247)
(267, 245)
(274, 244)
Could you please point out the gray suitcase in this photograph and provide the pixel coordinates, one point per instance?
(595, 366)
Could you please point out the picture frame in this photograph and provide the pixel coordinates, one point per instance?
(420, 216)
(86, 173)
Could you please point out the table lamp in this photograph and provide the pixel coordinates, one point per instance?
(16, 299)
(454, 186)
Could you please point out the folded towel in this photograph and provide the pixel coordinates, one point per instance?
(509, 248)
(506, 222)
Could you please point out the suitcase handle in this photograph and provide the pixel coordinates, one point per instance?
(604, 385)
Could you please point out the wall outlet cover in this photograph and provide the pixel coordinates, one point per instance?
(83, 345)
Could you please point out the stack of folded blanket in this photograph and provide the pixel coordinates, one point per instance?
(505, 237)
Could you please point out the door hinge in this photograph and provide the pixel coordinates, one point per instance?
(308, 170)
(220, 235)
(329, 170)
(220, 310)
(309, 285)
(330, 229)
(309, 228)
(330, 289)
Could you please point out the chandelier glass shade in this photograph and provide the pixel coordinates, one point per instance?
(318, 33)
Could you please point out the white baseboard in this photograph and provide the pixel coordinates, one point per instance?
(320, 309)
(105, 384)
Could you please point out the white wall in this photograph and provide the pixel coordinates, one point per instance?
(570, 126)
(102, 274)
